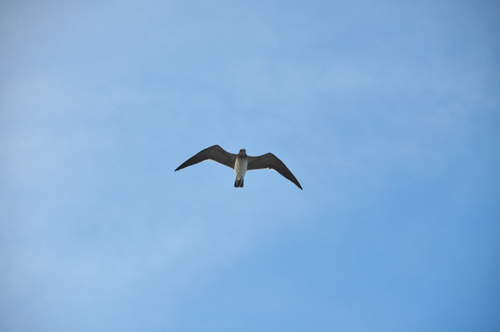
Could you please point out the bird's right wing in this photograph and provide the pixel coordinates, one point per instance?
(270, 161)
(215, 153)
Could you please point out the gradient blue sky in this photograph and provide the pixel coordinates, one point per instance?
(387, 112)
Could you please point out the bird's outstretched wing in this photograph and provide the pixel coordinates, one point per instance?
(269, 160)
(215, 153)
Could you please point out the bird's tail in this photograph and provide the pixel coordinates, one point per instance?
(238, 183)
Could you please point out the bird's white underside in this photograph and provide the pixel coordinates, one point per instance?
(240, 168)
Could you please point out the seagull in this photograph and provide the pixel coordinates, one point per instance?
(240, 163)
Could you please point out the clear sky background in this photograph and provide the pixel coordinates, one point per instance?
(387, 112)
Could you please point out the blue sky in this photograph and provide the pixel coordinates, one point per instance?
(387, 112)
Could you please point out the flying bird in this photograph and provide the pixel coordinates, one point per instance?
(241, 163)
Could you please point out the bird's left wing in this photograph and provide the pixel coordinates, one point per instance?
(215, 153)
(269, 160)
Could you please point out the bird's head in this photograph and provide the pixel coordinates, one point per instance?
(243, 152)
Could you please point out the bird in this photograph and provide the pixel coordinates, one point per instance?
(241, 163)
